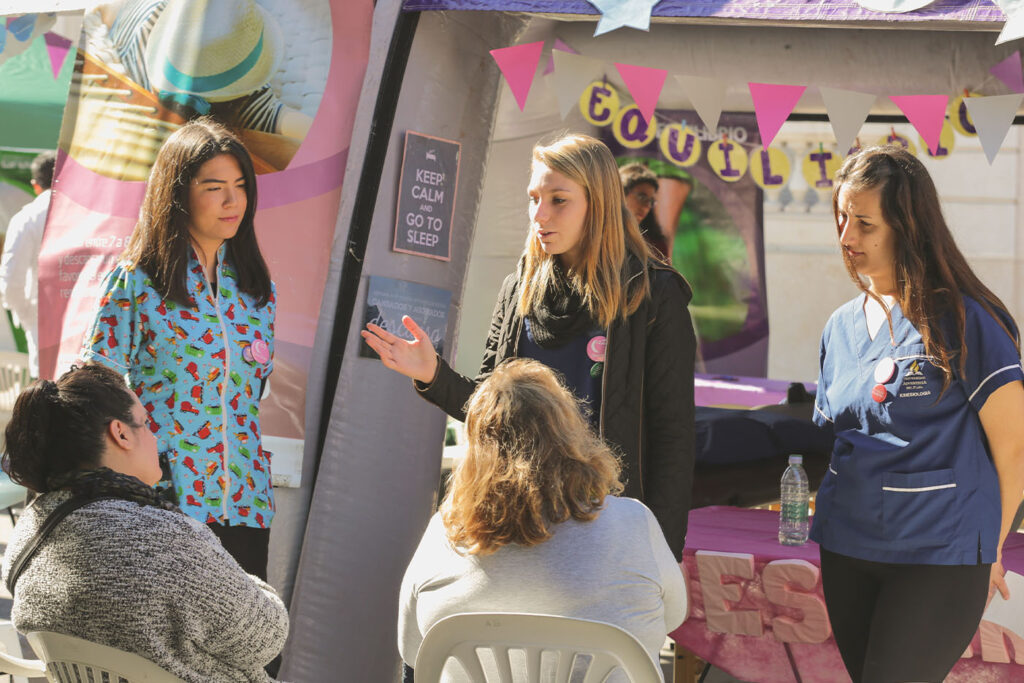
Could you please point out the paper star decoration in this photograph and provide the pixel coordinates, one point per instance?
(618, 13)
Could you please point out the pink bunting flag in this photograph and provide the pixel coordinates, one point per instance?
(519, 65)
(559, 45)
(644, 85)
(926, 113)
(1009, 72)
(773, 104)
(57, 47)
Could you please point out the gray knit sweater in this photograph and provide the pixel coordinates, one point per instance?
(148, 581)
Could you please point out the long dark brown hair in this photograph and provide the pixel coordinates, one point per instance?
(160, 244)
(930, 272)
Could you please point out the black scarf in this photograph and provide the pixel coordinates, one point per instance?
(104, 482)
(562, 315)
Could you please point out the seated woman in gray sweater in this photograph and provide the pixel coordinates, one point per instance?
(127, 569)
(529, 524)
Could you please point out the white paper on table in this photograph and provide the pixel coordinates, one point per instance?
(1008, 613)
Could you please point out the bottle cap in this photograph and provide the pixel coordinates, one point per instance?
(796, 460)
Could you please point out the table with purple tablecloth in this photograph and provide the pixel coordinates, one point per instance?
(757, 611)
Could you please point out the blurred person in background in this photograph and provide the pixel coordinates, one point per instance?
(19, 264)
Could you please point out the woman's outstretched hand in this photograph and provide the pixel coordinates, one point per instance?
(416, 359)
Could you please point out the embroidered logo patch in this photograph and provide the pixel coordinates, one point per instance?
(915, 384)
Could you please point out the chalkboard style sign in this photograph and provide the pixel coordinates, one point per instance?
(387, 300)
(426, 196)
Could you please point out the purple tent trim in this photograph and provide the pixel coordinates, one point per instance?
(773, 10)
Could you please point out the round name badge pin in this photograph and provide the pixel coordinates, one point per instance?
(596, 348)
(879, 393)
(884, 370)
(257, 352)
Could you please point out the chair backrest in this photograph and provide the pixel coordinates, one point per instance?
(534, 646)
(11, 661)
(13, 377)
(70, 660)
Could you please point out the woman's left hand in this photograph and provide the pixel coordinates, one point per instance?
(997, 580)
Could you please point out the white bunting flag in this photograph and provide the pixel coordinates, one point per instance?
(572, 74)
(847, 111)
(707, 95)
(992, 117)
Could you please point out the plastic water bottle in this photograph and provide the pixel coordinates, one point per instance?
(793, 524)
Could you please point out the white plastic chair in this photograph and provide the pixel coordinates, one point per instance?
(66, 659)
(577, 650)
(13, 378)
(11, 645)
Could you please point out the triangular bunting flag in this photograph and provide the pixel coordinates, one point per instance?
(992, 117)
(644, 84)
(926, 113)
(1009, 72)
(559, 46)
(772, 105)
(519, 65)
(57, 47)
(847, 112)
(572, 74)
(707, 95)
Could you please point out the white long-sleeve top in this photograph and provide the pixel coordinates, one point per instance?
(19, 271)
(617, 568)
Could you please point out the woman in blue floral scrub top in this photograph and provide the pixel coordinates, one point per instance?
(188, 315)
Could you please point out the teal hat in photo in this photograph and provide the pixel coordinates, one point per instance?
(214, 50)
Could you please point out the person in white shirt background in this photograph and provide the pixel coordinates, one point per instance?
(19, 265)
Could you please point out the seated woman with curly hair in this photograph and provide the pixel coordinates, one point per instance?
(122, 567)
(530, 524)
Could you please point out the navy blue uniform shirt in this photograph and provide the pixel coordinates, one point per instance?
(911, 479)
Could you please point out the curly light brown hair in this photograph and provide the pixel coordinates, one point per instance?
(532, 462)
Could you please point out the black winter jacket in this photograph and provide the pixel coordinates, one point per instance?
(647, 409)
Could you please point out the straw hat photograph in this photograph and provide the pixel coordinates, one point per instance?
(217, 50)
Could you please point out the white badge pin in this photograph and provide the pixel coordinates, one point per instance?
(884, 370)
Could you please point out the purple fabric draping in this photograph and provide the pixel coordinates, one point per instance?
(775, 10)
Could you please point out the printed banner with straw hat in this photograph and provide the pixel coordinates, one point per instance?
(212, 50)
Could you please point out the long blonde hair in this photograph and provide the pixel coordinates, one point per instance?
(610, 234)
(532, 462)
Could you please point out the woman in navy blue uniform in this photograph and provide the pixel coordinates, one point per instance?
(921, 383)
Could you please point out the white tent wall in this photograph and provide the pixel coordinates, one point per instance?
(382, 456)
(805, 277)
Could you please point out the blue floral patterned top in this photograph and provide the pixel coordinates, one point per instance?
(199, 372)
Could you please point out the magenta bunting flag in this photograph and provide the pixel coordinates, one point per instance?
(1009, 72)
(57, 47)
(519, 65)
(926, 113)
(644, 84)
(773, 104)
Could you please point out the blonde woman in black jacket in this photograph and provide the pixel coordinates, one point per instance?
(589, 300)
